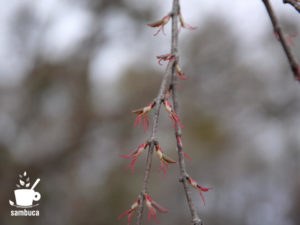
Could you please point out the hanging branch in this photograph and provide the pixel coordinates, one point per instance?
(294, 3)
(153, 141)
(283, 40)
(174, 51)
(168, 84)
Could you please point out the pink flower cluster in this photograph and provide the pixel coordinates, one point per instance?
(152, 208)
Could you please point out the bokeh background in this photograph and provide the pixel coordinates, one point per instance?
(71, 71)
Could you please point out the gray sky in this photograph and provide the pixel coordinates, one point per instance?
(248, 17)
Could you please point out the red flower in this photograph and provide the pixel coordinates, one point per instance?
(198, 187)
(164, 159)
(165, 58)
(161, 23)
(180, 144)
(143, 113)
(180, 73)
(185, 25)
(174, 117)
(130, 211)
(152, 207)
(135, 154)
(289, 38)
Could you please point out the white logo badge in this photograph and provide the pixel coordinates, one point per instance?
(25, 196)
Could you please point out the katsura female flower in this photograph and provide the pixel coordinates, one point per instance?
(174, 117)
(198, 187)
(180, 73)
(164, 159)
(165, 57)
(130, 211)
(289, 38)
(184, 153)
(183, 24)
(135, 154)
(152, 207)
(142, 114)
(161, 23)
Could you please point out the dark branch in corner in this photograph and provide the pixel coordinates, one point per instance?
(294, 3)
(282, 39)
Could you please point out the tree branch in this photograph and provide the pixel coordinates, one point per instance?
(174, 51)
(152, 140)
(294, 3)
(169, 77)
(282, 39)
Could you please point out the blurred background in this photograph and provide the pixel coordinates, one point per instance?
(71, 71)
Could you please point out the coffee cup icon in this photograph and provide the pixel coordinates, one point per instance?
(25, 197)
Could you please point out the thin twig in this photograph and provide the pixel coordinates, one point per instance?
(294, 3)
(174, 51)
(284, 43)
(152, 140)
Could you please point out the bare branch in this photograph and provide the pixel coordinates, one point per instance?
(174, 51)
(152, 140)
(145, 184)
(284, 43)
(169, 78)
(294, 3)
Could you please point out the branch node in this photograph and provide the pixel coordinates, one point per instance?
(152, 141)
(142, 194)
(178, 133)
(197, 221)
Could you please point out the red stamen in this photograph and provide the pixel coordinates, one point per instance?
(131, 165)
(187, 156)
(183, 78)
